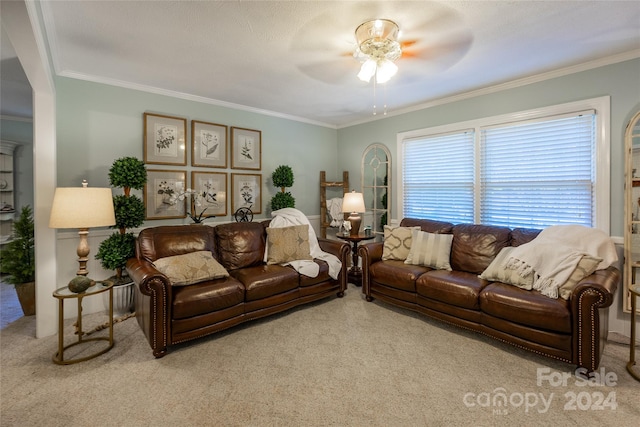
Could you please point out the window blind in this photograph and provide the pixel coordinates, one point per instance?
(540, 173)
(438, 177)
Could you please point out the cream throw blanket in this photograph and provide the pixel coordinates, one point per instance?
(555, 253)
(289, 216)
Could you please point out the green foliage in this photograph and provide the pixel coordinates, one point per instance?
(282, 176)
(113, 253)
(18, 257)
(129, 211)
(128, 172)
(282, 200)
(116, 250)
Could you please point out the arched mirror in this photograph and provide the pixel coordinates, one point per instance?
(632, 208)
(376, 186)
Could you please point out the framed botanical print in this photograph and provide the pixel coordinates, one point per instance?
(211, 188)
(208, 144)
(160, 191)
(164, 140)
(246, 149)
(246, 192)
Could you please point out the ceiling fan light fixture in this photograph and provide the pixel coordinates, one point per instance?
(378, 47)
(385, 70)
(367, 70)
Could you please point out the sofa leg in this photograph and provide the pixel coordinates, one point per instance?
(369, 298)
(340, 294)
(160, 353)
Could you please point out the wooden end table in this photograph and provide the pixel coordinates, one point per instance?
(64, 293)
(355, 272)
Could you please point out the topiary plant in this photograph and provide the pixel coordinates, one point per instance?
(282, 200)
(282, 177)
(128, 173)
(113, 253)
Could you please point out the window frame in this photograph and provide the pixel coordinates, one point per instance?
(602, 150)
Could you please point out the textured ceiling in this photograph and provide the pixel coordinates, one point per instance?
(293, 58)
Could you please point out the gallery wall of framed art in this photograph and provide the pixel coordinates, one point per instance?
(171, 191)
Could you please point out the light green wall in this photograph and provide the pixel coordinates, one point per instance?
(21, 131)
(620, 81)
(98, 123)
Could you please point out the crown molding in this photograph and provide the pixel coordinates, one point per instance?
(190, 97)
(614, 59)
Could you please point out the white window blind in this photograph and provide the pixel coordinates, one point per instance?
(539, 173)
(438, 177)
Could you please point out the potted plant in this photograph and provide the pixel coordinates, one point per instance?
(127, 173)
(282, 177)
(18, 260)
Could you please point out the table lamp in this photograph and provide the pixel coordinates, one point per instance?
(82, 208)
(353, 203)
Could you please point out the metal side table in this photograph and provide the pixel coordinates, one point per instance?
(64, 293)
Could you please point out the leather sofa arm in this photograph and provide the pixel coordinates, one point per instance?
(341, 250)
(153, 293)
(591, 294)
(370, 253)
(146, 276)
(601, 286)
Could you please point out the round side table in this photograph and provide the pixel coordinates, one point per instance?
(635, 293)
(62, 294)
(355, 272)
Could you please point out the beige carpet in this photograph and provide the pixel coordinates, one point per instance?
(340, 362)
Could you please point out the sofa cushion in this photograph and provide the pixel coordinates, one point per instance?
(286, 244)
(264, 280)
(397, 274)
(428, 225)
(475, 246)
(528, 308)
(452, 287)
(323, 274)
(585, 267)
(206, 297)
(240, 244)
(496, 272)
(520, 236)
(397, 242)
(190, 268)
(430, 249)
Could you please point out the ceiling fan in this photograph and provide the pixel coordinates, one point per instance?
(432, 37)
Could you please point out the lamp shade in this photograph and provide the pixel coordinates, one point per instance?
(82, 207)
(353, 202)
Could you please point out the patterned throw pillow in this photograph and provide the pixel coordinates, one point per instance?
(430, 249)
(496, 272)
(286, 244)
(587, 265)
(190, 268)
(397, 242)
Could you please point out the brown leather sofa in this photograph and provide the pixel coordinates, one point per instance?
(170, 315)
(570, 330)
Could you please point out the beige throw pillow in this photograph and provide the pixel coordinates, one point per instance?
(397, 242)
(430, 249)
(587, 265)
(496, 272)
(286, 244)
(190, 268)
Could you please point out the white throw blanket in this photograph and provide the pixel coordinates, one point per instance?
(555, 253)
(334, 206)
(288, 217)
